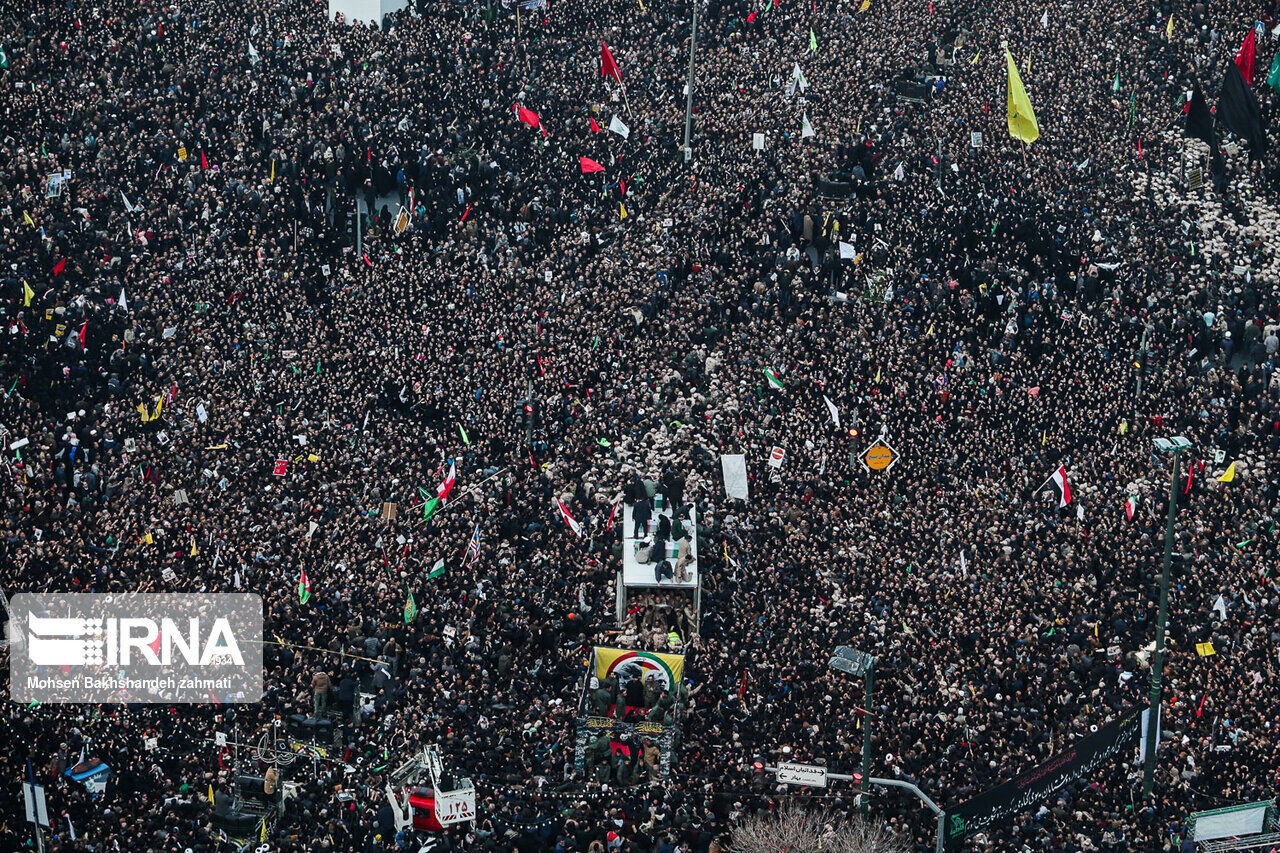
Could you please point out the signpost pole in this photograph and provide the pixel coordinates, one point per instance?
(866, 731)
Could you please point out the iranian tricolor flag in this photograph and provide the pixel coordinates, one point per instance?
(442, 493)
(1130, 506)
(304, 587)
(569, 519)
(774, 379)
(1058, 479)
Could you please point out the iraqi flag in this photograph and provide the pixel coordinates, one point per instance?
(1058, 479)
(569, 519)
(1130, 506)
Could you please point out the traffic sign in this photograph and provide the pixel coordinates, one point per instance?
(879, 456)
(809, 775)
(33, 800)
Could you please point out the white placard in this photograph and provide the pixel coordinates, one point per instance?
(734, 468)
(776, 455)
(757, 141)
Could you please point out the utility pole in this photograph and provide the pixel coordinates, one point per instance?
(688, 103)
(866, 731)
(359, 248)
(1174, 446)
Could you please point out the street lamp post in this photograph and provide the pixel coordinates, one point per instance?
(1173, 446)
(688, 102)
(860, 665)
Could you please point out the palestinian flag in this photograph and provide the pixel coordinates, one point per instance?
(1130, 506)
(569, 519)
(304, 587)
(774, 379)
(410, 609)
(437, 570)
(1058, 479)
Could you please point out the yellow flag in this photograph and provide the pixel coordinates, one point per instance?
(264, 830)
(27, 294)
(622, 211)
(1022, 118)
(866, 4)
(311, 457)
(1124, 427)
(642, 8)
(142, 410)
(27, 217)
(976, 57)
(1168, 30)
(149, 539)
(1229, 474)
(273, 170)
(194, 550)
(1044, 436)
(877, 376)
(211, 792)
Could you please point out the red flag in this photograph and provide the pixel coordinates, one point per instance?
(366, 259)
(1139, 149)
(529, 117)
(1244, 59)
(59, 267)
(609, 68)
(588, 165)
(204, 161)
(622, 187)
(82, 331)
(465, 214)
(742, 688)
(751, 19)
(595, 128)
(1190, 470)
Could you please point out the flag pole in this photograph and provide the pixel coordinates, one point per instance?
(688, 103)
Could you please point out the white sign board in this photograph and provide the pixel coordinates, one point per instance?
(776, 455)
(802, 774)
(456, 806)
(33, 799)
(757, 141)
(734, 468)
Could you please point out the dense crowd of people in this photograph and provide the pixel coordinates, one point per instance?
(187, 304)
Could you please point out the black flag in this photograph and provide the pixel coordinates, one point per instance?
(1238, 110)
(1199, 122)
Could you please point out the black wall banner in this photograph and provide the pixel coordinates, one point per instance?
(1035, 785)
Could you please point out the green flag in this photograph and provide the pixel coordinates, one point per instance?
(1273, 76)
(465, 440)
(437, 570)
(1115, 86)
(4, 58)
(774, 379)
(429, 508)
(410, 609)
(813, 42)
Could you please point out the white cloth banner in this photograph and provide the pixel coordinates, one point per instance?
(734, 468)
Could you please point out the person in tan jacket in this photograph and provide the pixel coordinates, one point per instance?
(320, 693)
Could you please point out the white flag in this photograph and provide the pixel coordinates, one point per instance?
(1044, 19)
(124, 303)
(1221, 606)
(1079, 511)
(791, 88)
(831, 407)
(899, 174)
(847, 251)
(616, 125)
(806, 129)
(964, 567)
(127, 207)
(253, 54)
(798, 76)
